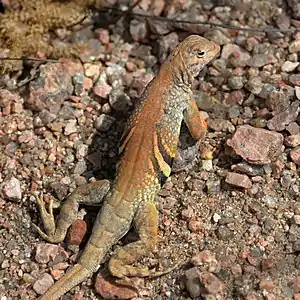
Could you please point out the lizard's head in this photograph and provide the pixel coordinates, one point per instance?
(193, 53)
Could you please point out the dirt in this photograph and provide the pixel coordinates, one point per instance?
(230, 212)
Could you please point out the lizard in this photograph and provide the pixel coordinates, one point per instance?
(148, 146)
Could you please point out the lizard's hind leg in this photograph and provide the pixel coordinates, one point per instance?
(91, 194)
(146, 223)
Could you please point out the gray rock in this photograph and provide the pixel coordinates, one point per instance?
(235, 82)
(118, 100)
(297, 92)
(259, 60)
(80, 167)
(295, 79)
(103, 122)
(78, 80)
(138, 29)
(213, 186)
(220, 125)
(60, 189)
(293, 128)
(243, 167)
(192, 283)
(234, 112)
(113, 72)
(254, 85)
(218, 36)
(91, 51)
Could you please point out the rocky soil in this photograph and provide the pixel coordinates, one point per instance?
(230, 211)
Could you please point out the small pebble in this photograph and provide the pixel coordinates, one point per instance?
(43, 284)
(289, 66)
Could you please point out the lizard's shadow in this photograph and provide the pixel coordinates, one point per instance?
(102, 158)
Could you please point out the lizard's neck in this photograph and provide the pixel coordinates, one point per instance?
(179, 74)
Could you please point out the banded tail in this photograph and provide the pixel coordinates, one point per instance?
(76, 275)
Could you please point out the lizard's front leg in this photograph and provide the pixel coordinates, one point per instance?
(90, 194)
(195, 121)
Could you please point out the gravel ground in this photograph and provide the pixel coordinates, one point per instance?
(230, 210)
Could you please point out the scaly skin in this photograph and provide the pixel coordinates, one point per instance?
(149, 144)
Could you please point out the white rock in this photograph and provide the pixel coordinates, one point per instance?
(289, 66)
(11, 189)
(294, 46)
(297, 91)
(216, 217)
(70, 127)
(207, 165)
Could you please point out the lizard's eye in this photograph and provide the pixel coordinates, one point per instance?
(201, 54)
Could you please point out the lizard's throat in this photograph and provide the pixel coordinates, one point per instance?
(183, 77)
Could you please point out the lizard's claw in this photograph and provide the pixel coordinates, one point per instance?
(48, 220)
(132, 283)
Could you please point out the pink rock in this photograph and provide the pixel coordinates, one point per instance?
(26, 136)
(102, 89)
(256, 145)
(103, 35)
(43, 284)
(239, 180)
(108, 290)
(266, 284)
(297, 296)
(212, 284)
(50, 89)
(296, 285)
(87, 83)
(295, 155)
(77, 232)
(194, 225)
(46, 252)
(292, 140)
(205, 256)
(283, 119)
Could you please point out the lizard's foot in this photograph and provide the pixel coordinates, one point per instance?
(118, 269)
(48, 222)
(134, 283)
(92, 194)
(122, 271)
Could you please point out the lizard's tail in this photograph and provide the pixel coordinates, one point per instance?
(76, 275)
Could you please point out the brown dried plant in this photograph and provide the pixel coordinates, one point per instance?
(26, 24)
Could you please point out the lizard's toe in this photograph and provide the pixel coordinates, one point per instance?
(46, 237)
(133, 282)
(118, 269)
